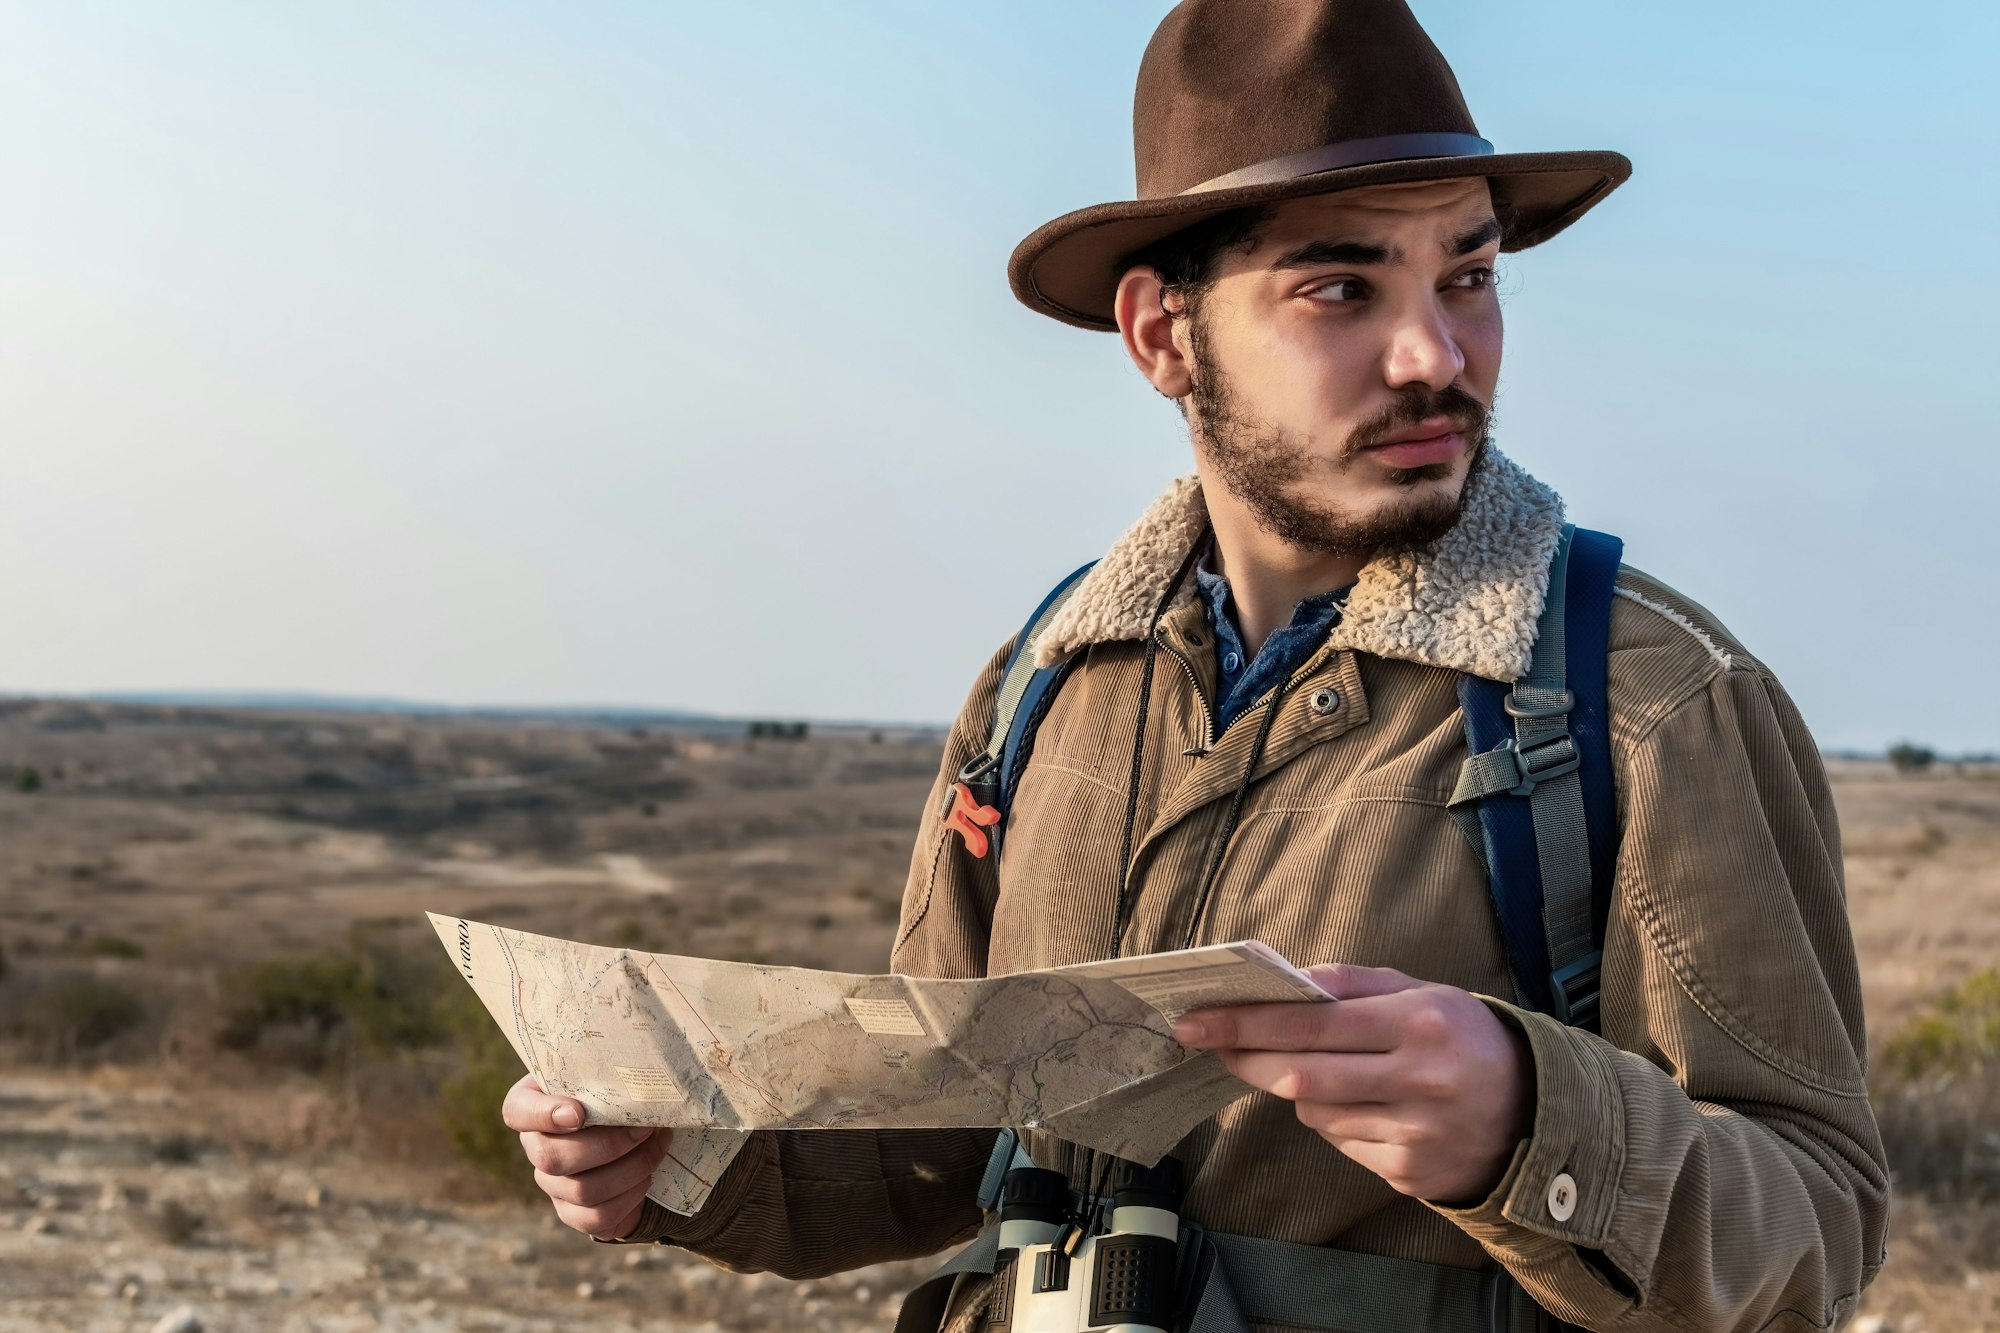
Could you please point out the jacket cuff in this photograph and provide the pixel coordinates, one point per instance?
(1566, 1188)
(661, 1225)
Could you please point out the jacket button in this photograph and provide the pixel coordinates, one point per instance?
(1324, 701)
(1562, 1197)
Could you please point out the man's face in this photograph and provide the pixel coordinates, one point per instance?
(1341, 366)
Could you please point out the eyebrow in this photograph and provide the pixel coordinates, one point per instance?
(1484, 234)
(1315, 253)
(1364, 253)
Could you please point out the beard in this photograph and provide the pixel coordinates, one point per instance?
(1270, 470)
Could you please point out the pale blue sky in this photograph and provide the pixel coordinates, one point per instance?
(662, 354)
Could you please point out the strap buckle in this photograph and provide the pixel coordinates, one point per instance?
(981, 778)
(1544, 761)
(1574, 990)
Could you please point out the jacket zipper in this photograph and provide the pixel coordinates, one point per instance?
(1208, 744)
(1208, 736)
(1194, 679)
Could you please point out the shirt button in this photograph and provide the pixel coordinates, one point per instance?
(1562, 1197)
(1230, 661)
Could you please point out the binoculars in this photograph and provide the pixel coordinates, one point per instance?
(1058, 1274)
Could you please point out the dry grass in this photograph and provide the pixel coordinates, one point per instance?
(1923, 865)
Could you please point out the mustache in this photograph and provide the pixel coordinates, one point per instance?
(1414, 404)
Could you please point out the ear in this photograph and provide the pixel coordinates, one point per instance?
(1152, 336)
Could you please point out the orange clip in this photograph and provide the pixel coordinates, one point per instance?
(969, 819)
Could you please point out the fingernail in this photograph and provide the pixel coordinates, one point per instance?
(568, 1117)
(1190, 1030)
(640, 1132)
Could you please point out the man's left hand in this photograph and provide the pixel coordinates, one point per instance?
(1419, 1083)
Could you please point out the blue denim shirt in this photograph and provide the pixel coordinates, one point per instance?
(1241, 679)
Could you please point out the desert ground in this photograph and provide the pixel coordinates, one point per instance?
(239, 1088)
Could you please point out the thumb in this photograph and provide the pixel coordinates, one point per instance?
(1347, 981)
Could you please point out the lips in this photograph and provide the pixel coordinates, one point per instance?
(1433, 440)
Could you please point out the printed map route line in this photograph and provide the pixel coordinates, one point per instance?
(722, 1052)
(514, 985)
(699, 1178)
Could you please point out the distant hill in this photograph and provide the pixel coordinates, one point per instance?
(281, 701)
(609, 715)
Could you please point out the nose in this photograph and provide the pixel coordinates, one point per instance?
(1422, 349)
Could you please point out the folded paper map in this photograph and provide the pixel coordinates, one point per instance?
(716, 1049)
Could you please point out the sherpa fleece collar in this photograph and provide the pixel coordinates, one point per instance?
(1468, 604)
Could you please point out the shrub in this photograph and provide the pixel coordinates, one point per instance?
(110, 946)
(72, 1014)
(177, 1150)
(469, 1101)
(1938, 1093)
(1929, 838)
(1958, 1034)
(1909, 757)
(321, 1010)
(360, 1013)
(28, 780)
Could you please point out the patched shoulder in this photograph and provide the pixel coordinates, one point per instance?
(1663, 648)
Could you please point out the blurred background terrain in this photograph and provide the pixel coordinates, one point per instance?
(240, 1083)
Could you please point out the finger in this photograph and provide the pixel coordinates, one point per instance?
(569, 1154)
(613, 1220)
(1298, 1027)
(1264, 1027)
(1334, 1077)
(1401, 1168)
(1346, 981)
(1352, 1125)
(600, 1185)
(1373, 1023)
(527, 1108)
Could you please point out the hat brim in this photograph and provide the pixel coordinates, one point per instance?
(1069, 269)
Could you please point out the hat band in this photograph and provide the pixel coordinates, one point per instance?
(1350, 153)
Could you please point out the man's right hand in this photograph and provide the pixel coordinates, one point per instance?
(595, 1177)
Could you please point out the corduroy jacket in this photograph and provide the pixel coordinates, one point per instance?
(1727, 1168)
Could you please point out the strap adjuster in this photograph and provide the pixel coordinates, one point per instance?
(1574, 990)
(1514, 706)
(1544, 761)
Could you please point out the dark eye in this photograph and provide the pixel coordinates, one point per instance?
(1339, 289)
(1474, 278)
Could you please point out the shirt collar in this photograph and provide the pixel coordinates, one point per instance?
(1313, 613)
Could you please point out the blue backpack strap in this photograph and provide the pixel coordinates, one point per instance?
(1539, 776)
(978, 801)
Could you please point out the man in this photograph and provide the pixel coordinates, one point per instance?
(1260, 739)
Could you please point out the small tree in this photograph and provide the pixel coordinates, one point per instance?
(1909, 757)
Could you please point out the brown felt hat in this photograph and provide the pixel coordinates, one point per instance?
(1245, 102)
